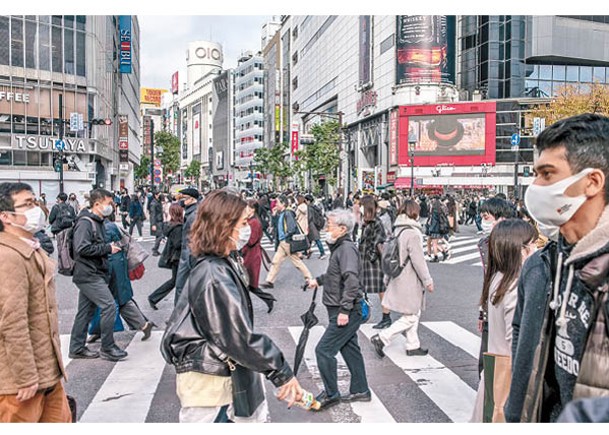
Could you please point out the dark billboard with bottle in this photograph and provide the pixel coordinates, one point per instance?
(425, 49)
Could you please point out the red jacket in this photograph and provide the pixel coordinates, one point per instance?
(252, 252)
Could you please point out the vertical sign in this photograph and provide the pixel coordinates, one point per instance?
(422, 46)
(123, 139)
(196, 134)
(174, 83)
(124, 29)
(147, 134)
(364, 50)
(393, 137)
(294, 138)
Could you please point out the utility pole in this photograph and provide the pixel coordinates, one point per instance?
(61, 140)
(152, 155)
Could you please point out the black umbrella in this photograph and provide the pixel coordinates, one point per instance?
(309, 319)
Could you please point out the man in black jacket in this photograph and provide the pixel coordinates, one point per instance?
(341, 296)
(156, 222)
(189, 200)
(62, 215)
(91, 277)
(284, 230)
(125, 203)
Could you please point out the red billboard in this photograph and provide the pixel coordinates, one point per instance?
(455, 134)
(174, 83)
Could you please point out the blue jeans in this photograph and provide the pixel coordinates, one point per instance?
(341, 339)
(320, 246)
(478, 221)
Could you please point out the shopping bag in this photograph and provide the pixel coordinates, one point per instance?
(497, 379)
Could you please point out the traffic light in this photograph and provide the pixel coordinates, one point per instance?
(101, 121)
(57, 164)
(526, 171)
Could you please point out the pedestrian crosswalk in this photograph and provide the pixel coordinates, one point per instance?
(438, 387)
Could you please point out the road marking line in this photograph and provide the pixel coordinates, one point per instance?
(370, 412)
(456, 335)
(463, 258)
(127, 393)
(463, 249)
(453, 396)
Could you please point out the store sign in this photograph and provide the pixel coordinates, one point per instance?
(393, 137)
(151, 96)
(17, 97)
(391, 177)
(294, 139)
(174, 83)
(367, 101)
(124, 29)
(42, 143)
(208, 53)
(123, 138)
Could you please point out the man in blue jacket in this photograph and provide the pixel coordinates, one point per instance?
(559, 344)
(285, 228)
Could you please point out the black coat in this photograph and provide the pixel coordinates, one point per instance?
(156, 216)
(90, 249)
(190, 213)
(215, 292)
(341, 281)
(173, 249)
(61, 217)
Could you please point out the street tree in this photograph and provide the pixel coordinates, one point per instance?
(273, 161)
(170, 154)
(193, 171)
(322, 157)
(573, 100)
(142, 171)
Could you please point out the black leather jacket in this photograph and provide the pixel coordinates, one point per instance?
(213, 321)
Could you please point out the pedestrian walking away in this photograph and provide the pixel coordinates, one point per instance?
(31, 366)
(341, 297)
(189, 201)
(136, 215)
(202, 346)
(405, 293)
(156, 222)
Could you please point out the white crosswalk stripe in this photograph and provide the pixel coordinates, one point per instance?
(127, 392)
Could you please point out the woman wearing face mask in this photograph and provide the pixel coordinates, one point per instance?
(251, 251)
(211, 330)
(511, 242)
(342, 295)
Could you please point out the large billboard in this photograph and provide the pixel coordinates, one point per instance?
(448, 134)
(151, 96)
(365, 45)
(425, 49)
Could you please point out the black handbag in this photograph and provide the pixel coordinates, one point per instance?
(299, 242)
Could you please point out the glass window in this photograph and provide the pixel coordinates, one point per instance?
(545, 88)
(30, 44)
(68, 21)
(545, 72)
(558, 72)
(80, 54)
(16, 42)
(585, 74)
(57, 48)
(4, 41)
(68, 50)
(45, 48)
(46, 159)
(33, 158)
(44, 18)
(598, 74)
(57, 20)
(19, 158)
(81, 21)
(6, 158)
(572, 73)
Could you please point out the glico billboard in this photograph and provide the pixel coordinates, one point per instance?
(460, 134)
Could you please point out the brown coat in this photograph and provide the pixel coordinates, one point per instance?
(405, 293)
(29, 330)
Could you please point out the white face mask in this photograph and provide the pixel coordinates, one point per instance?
(550, 231)
(244, 236)
(36, 220)
(107, 210)
(487, 226)
(549, 205)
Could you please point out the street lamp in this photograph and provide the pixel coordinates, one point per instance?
(411, 148)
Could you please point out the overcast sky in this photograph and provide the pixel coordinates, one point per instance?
(164, 41)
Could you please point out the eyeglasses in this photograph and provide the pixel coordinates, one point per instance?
(28, 205)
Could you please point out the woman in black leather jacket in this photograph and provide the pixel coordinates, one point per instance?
(211, 330)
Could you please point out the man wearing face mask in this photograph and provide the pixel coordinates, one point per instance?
(560, 339)
(189, 200)
(31, 367)
(91, 276)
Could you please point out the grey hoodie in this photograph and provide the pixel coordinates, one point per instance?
(571, 307)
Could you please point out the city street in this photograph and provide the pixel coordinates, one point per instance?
(439, 387)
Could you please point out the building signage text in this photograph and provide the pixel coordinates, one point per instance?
(17, 97)
(208, 53)
(443, 108)
(124, 27)
(73, 145)
(366, 102)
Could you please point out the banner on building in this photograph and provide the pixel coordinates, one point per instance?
(294, 139)
(151, 96)
(174, 83)
(365, 48)
(422, 49)
(124, 29)
(123, 138)
(393, 137)
(147, 131)
(196, 133)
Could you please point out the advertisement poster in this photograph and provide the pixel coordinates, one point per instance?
(446, 135)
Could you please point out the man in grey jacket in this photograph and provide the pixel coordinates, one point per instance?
(559, 344)
(341, 296)
(189, 201)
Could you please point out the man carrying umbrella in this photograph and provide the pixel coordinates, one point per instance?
(341, 296)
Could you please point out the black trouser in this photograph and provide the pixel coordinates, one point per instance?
(355, 230)
(157, 241)
(483, 346)
(159, 294)
(134, 222)
(124, 219)
(341, 339)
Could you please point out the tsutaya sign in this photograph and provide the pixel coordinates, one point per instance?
(73, 145)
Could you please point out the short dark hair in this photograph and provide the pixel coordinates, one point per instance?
(283, 199)
(62, 197)
(7, 190)
(498, 208)
(411, 209)
(97, 195)
(586, 141)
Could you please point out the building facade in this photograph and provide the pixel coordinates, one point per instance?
(223, 121)
(55, 66)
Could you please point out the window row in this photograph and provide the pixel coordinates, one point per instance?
(569, 73)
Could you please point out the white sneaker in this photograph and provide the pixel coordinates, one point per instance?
(323, 257)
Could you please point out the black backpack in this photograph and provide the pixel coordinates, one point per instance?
(318, 220)
(390, 260)
(65, 218)
(65, 250)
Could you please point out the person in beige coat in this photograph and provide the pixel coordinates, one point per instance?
(31, 367)
(405, 294)
(511, 242)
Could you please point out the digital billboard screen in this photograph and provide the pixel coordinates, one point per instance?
(448, 135)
